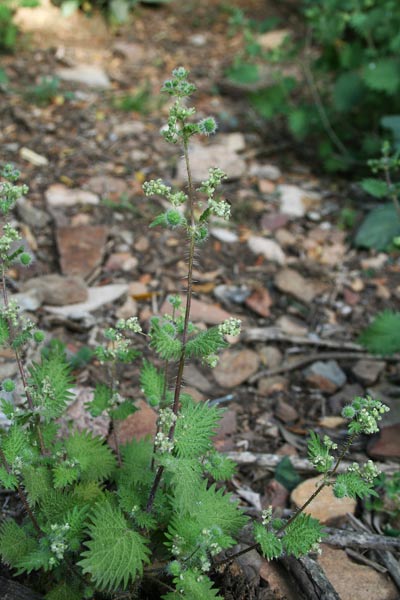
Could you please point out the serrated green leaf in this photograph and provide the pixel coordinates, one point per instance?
(15, 543)
(392, 122)
(271, 546)
(123, 410)
(243, 73)
(348, 91)
(193, 585)
(354, 486)
(194, 429)
(286, 474)
(51, 382)
(152, 382)
(64, 474)
(220, 467)
(302, 534)
(376, 187)
(379, 228)
(115, 553)
(64, 591)
(205, 343)
(37, 482)
(382, 75)
(101, 400)
(164, 341)
(299, 122)
(383, 335)
(94, 458)
(4, 331)
(8, 480)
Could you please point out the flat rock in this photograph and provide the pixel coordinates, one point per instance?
(265, 171)
(81, 248)
(224, 235)
(272, 221)
(128, 309)
(387, 445)
(325, 506)
(58, 290)
(129, 128)
(134, 53)
(270, 356)
(58, 195)
(137, 426)
(273, 39)
(233, 141)
(286, 412)
(29, 300)
(368, 371)
(291, 282)
(38, 160)
(268, 386)
(31, 215)
(227, 427)
(326, 375)
(292, 326)
(353, 581)
(106, 186)
(97, 297)
(89, 75)
(121, 261)
(211, 314)
(235, 367)
(194, 378)
(270, 249)
(81, 417)
(214, 155)
(260, 302)
(295, 202)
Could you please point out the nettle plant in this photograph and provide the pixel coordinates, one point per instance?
(150, 518)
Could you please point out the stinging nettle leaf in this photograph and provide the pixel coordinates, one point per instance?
(376, 187)
(382, 336)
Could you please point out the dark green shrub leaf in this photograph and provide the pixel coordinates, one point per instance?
(383, 335)
(379, 228)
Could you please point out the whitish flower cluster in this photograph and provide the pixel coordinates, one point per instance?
(364, 412)
(220, 208)
(156, 187)
(132, 324)
(266, 516)
(328, 443)
(166, 418)
(211, 360)
(230, 326)
(368, 471)
(163, 443)
(11, 313)
(10, 235)
(58, 544)
(215, 178)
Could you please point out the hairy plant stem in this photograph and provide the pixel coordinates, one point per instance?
(22, 497)
(189, 293)
(301, 509)
(21, 366)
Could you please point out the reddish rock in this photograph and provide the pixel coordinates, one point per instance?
(273, 221)
(81, 248)
(223, 441)
(275, 494)
(235, 367)
(325, 506)
(387, 445)
(141, 423)
(260, 302)
(285, 412)
(212, 314)
(353, 581)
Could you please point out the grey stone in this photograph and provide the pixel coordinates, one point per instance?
(215, 155)
(58, 290)
(98, 297)
(368, 371)
(327, 375)
(89, 75)
(32, 216)
(266, 171)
